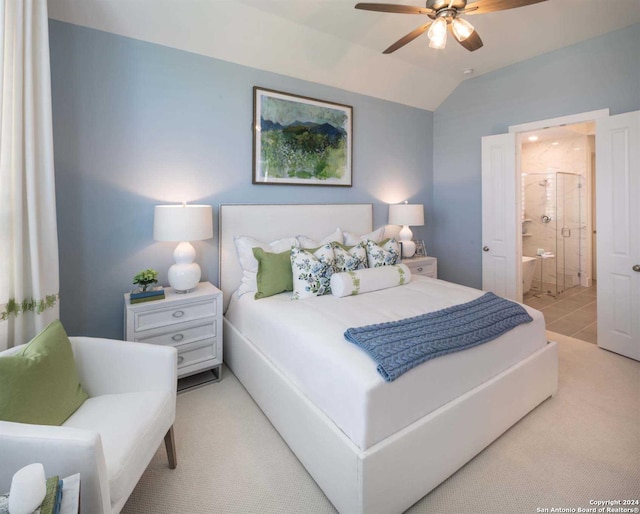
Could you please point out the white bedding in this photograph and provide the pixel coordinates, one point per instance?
(304, 339)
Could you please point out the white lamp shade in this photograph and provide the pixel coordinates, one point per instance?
(406, 214)
(182, 222)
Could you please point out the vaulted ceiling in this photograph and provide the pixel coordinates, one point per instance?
(330, 42)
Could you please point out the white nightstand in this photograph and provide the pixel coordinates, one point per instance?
(191, 322)
(426, 266)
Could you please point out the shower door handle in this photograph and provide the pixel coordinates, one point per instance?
(636, 267)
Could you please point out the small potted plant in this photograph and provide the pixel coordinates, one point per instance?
(146, 278)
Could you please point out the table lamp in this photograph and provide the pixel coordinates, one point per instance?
(406, 214)
(183, 223)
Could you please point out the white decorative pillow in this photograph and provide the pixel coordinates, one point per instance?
(384, 254)
(249, 264)
(307, 242)
(351, 239)
(349, 258)
(312, 271)
(367, 280)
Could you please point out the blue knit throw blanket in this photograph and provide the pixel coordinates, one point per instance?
(398, 346)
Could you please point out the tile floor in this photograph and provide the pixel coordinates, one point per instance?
(573, 313)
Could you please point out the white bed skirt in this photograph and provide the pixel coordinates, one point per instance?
(393, 474)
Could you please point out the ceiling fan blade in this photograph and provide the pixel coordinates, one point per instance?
(472, 43)
(485, 6)
(400, 9)
(408, 38)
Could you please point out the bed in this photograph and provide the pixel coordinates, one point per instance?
(372, 446)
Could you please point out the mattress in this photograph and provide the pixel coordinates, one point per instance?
(304, 339)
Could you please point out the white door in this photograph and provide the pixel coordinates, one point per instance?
(618, 228)
(500, 217)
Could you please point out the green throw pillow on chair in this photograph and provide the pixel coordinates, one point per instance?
(40, 384)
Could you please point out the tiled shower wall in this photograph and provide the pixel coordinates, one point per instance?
(558, 196)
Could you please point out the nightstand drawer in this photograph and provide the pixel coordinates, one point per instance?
(191, 354)
(170, 315)
(423, 269)
(179, 335)
(425, 266)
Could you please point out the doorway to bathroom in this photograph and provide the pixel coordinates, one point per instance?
(557, 216)
(617, 172)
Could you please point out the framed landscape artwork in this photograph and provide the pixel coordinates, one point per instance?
(300, 141)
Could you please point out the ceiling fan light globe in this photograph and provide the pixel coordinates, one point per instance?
(438, 34)
(462, 29)
(438, 44)
(438, 28)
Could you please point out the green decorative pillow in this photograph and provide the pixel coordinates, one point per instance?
(40, 384)
(385, 253)
(274, 273)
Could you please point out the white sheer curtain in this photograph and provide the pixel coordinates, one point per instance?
(28, 232)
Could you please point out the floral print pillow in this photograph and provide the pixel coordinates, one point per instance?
(385, 253)
(349, 258)
(312, 270)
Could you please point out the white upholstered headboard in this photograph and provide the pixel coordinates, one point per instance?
(270, 222)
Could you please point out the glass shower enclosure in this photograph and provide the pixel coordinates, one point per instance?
(553, 230)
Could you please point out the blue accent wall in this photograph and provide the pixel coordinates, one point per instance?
(138, 124)
(600, 73)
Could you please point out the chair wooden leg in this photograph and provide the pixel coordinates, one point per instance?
(170, 445)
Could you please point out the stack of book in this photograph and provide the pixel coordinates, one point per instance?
(156, 293)
(50, 504)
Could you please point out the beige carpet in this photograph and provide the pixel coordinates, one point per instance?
(581, 445)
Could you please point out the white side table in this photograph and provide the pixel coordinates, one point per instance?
(426, 266)
(191, 322)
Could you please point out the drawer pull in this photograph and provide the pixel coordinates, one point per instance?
(180, 359)
(178, 314)
(420, 269)
(178, 337)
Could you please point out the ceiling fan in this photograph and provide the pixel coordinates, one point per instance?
(446, 14)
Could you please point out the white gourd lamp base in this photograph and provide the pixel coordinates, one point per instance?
(185, 274)
(406, 214)
(408, 246)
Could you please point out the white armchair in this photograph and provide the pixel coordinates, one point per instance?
(113, 436)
